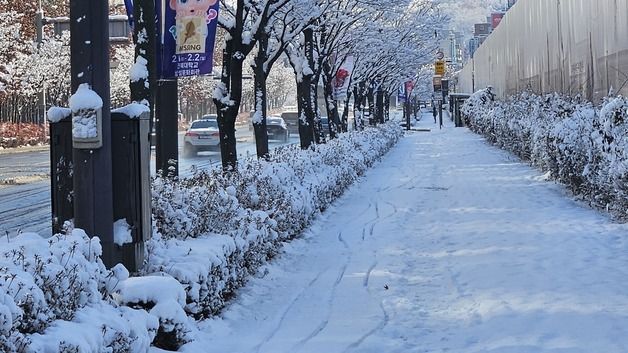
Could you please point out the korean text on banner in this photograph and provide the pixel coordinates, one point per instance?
(189, 34)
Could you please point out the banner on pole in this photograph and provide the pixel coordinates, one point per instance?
(401, 94)
(341, 81)
(188, 34)
(128, 4)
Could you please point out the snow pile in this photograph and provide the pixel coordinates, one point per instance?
(139, 70)
(579, 144)
(122, 232)
(164, 298)
(85, 104)
(133, 110)
(216, 229)
(56, 114)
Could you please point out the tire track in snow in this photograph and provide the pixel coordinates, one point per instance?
(380, 326)
(344, 243)
(367, 277)
(286, 311)
(364, 211)
(330, 301)
(395, 210)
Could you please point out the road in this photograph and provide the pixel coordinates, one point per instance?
(25, 182)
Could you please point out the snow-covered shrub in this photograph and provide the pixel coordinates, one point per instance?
(164, 298)
(215, 229)
(43, 281)
(582, 146)
(23, 134)
(55, 296)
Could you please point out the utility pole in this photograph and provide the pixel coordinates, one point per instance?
(167, 128)
(166, 103)
(41, 96)
(93, 193)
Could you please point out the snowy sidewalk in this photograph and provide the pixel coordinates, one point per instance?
(448, 245)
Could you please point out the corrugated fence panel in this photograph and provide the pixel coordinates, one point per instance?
(569, 46)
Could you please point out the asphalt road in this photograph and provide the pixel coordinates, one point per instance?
(25, 182)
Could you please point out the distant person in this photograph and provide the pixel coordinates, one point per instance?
(434, 111)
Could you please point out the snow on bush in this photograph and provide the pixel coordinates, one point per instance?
(216, 229)
(581, 145)
(55, 296)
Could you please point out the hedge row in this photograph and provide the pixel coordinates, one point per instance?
(581, 145)
(212, 231)
(216, 229)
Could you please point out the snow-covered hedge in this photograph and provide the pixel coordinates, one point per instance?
(55, 297)
(581, 145)
(216, 229)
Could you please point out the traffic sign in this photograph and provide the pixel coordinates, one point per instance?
(439, 67)
(437, 80)
(440, 55)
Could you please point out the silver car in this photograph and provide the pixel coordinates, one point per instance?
(202, 135)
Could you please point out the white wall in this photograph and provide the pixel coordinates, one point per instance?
(569, 46)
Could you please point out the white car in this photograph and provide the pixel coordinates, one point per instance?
(202, 135)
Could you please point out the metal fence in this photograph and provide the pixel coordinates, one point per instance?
(568, 46)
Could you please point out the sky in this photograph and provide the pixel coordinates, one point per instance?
(465, 13)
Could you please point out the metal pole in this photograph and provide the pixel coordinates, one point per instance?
(41, 96)
(89, 43)
(167, 129)
(440, 113)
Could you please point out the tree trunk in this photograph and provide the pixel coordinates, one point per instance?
(228, 109)
(387, 107)
(306, 122)
(357, 108)
(259, 117)
(380, 105)
(319, 134)
(306, 96)
(141, 92)
(345, 113)
(359, 95)
(371, 101)
(331, 106)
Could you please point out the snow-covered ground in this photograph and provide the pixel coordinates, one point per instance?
(448, 245)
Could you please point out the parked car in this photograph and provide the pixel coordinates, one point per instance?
(291, 118)
(202, 135)
(277, 129)
(325, 125)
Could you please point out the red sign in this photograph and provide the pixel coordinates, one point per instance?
(409, 86)
(496, 19)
